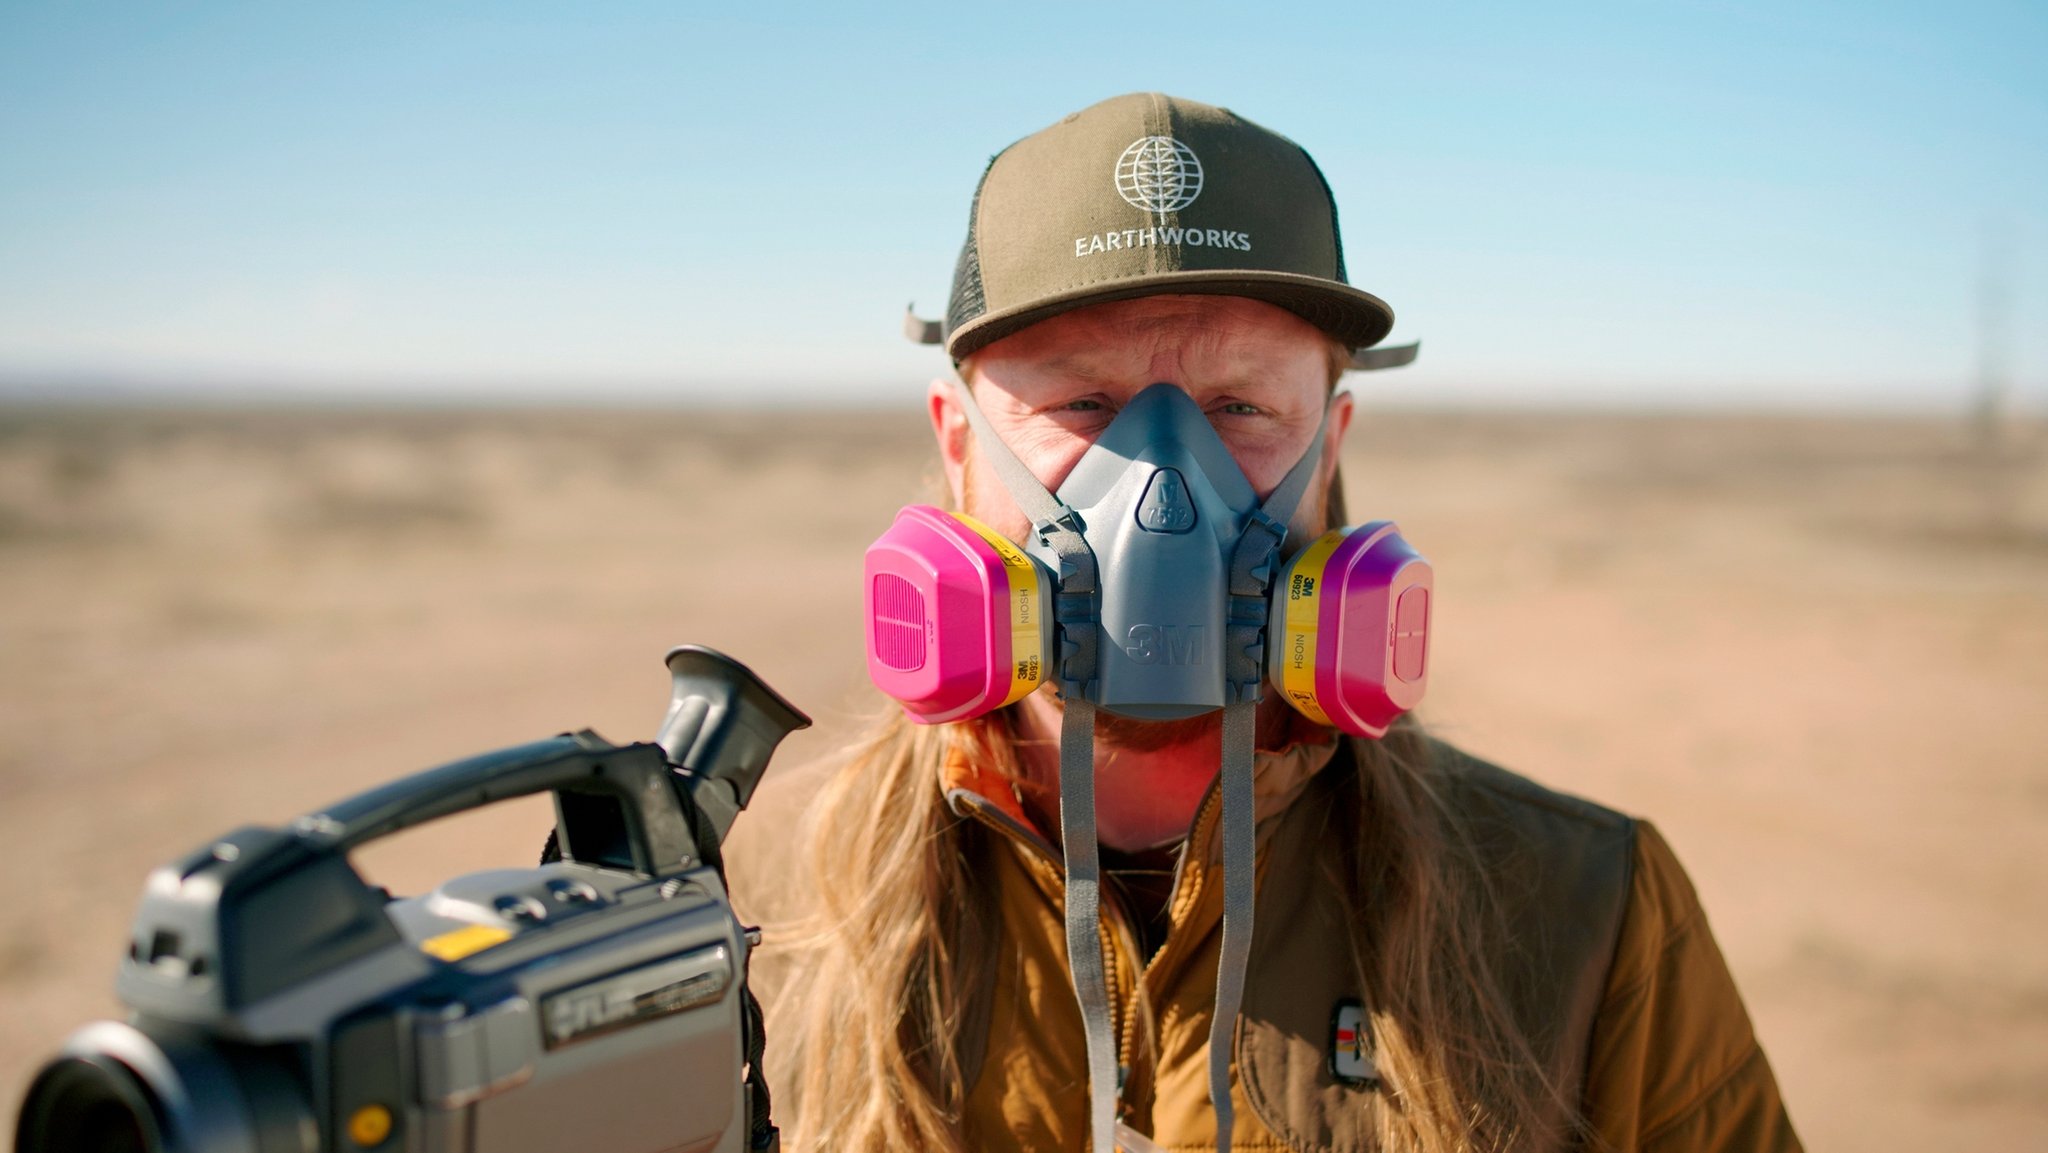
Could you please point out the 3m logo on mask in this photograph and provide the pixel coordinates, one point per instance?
(1164, 644)
(1166, 507)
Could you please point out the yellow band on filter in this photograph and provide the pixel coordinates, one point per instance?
(1027, 654)
(1298, 634)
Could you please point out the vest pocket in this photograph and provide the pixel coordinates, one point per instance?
(1289, 1030)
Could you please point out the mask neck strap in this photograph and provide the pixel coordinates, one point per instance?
(1240, 862)
(1059, 527)
(1085, 960)
(1084, 915)
(1251, 575)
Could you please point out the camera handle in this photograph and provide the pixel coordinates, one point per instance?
(722, 726)
(576, 764)
(261, 910)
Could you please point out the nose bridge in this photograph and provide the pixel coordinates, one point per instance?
(1168, 365)
(1164, 426)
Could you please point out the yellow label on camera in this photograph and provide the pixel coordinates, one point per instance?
(1299, 625)
(456, 944)
(1027, 626)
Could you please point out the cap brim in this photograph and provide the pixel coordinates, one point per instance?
(1355, 318)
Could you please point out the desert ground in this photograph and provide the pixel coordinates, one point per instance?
(1813, 649)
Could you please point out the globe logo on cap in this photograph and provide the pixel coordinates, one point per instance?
(1158, 174)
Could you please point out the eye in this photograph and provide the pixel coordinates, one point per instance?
(1240, 408)
(1085, 404)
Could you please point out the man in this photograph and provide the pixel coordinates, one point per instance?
(1444, 956)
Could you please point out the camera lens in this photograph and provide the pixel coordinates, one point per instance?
(90, 1105)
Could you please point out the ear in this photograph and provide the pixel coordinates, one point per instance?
(1342, 408)
(949, 426)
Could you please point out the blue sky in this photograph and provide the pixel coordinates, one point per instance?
(1748, 203)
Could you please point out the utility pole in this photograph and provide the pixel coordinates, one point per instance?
(1993, 448)
(1994, 334)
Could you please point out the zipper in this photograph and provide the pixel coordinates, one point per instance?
(1120, 941)
(1119, 945)
(1153, 974)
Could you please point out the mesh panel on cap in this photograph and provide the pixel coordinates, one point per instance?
(968, 300)
(1336, 233)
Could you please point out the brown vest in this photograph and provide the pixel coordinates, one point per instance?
(1561, 865)
(1562, 868)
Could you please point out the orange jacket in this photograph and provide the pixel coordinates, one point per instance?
(1627, 985)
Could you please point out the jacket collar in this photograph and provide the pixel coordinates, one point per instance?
(1278, 778)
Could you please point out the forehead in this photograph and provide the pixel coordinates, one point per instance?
(1187, 338)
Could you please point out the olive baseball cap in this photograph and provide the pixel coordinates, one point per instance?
(1146, 194)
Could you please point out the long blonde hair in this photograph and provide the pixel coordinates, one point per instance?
(901, 942)
(900, 939)
(1427, 932)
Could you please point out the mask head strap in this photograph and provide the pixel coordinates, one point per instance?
(1251, 571)
(1060, 528)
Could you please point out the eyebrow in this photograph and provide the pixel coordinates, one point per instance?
(1077, 364)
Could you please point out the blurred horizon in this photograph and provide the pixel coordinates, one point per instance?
(1741, 205)
(88, 392)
